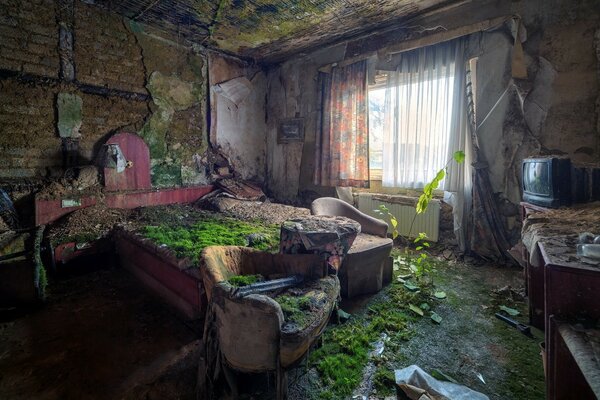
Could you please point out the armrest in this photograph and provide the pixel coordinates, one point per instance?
(330, 206)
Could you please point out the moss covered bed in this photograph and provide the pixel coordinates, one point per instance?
(187, 230)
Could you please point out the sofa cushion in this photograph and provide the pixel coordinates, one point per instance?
(365, 242)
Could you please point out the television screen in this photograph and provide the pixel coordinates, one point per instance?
(536, 178)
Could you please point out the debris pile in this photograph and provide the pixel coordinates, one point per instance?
(76, 181)
(86, 224)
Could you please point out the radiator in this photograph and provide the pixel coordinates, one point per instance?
(403, 208)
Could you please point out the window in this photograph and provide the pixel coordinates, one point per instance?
(376, 121)
(413, 121)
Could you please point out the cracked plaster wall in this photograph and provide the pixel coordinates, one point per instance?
(554, 111)
(125, 79)
(238, 131)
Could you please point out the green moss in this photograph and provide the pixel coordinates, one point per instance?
(525, 379)
(345, 353)
(189, 241)
(41, 278)
(294, 308)
(154, 133)
(256, 24)
(221, 7)
(244, 280)
(171, 92)
(343, 356)
(165, 175)
(384, 381)
(171, 95)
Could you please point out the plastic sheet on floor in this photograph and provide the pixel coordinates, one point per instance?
(419, 385)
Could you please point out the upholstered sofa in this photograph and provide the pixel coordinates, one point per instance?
(368, 265)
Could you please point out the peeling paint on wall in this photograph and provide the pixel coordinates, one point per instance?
(238, 132)
(175, 131)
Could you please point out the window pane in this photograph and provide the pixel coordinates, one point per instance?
(376, 118)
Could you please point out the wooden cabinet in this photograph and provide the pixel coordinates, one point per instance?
(564, 299)
(534, 276)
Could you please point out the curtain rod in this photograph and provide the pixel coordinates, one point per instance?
(427, 40)
(445, 36)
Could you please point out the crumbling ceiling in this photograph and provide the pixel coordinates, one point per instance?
(269, 30)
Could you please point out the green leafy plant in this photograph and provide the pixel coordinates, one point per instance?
(429, 188)
(384, 212)
(424, 199)
(422, 262)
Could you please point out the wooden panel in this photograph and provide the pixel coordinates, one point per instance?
(535, 294)
(564, 379)
(137, 177)
(156, 198)
(47, 211)
(50, 210)
(181, 290)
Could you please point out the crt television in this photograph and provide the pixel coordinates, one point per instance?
(547, 181)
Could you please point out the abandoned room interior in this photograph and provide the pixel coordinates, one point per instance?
(300, 199)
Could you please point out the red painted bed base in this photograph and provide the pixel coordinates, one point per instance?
(159, 272)
(47, 211)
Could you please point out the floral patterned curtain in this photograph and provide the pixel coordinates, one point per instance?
(342, 147)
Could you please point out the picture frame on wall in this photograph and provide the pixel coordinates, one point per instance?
(290, 130)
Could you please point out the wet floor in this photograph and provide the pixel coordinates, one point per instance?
(97, 331)
(101, 331)
(470, 345)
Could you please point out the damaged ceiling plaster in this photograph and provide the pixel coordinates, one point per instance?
(270, 30)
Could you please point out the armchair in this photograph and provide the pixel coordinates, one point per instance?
(368, 265)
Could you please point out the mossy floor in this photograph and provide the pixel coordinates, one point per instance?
(468, 341)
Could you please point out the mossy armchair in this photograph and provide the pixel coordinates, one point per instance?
(251, 332)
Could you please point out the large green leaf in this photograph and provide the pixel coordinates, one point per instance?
(459, 156)
(510, 311)
(422, 204)
(439, 177)
(416, 309)
(435, 317)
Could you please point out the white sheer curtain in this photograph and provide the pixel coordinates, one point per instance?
(419, 108)
(426, 122)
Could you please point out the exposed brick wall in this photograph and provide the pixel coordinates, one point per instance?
(104, 115)
(106, 52)
(28, 37)
(107, 56)
(28, 141)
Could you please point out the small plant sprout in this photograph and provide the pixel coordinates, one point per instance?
(384, 212)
